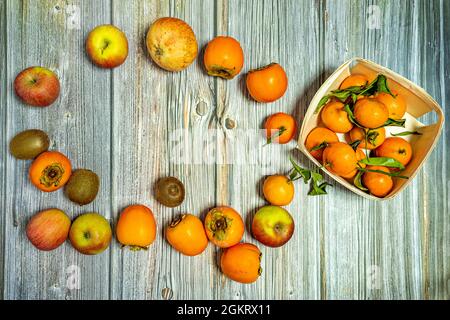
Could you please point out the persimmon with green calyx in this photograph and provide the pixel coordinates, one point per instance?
(50, 171)
(224, 226)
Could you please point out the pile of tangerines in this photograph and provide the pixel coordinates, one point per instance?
(361, 110)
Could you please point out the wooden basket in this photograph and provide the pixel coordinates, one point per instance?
(418, 102)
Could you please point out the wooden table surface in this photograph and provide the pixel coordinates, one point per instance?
(125, 124)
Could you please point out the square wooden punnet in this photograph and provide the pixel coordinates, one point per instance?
(418, 101)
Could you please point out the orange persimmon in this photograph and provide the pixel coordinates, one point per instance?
(50, 171)
(224, 226)
(136, 227)
(268, 83)
(187, 235)
(242, 263)
(223, 57)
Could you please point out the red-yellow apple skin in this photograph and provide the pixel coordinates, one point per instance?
(48, 229)
(171, 43)
(90, 233)
(37, 86)
(273, 226)
(107, 46)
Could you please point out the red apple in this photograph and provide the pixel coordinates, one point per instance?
(48, 229)
(107, 46)
(37, 86)
(90, 233)
(273, 226)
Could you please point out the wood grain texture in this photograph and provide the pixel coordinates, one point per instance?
(4, 148)
(137, 123)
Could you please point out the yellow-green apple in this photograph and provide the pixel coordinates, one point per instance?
(37, 86)
(107, 46)
(48, 229)
(273, 226)
(171, 43)
(90, 233)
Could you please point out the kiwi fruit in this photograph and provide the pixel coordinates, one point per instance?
(169, 191)
(29, 144)
(82, 187)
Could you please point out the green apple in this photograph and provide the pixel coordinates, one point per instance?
(273, 226)
(90, 233)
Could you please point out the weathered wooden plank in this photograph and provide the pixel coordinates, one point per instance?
(434, 76)
(3, 141)
(149, 112)
(52, 34)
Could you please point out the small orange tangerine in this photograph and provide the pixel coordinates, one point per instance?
(370, 138)
(280, 127)
(354, 80)
(316, 137)
(396, 148)
(335, 117)
(370, 113)
(379, 184)
(396, 105)
(278, 190)
(339, 158)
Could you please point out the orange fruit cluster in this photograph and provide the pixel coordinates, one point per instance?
(360, 112)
